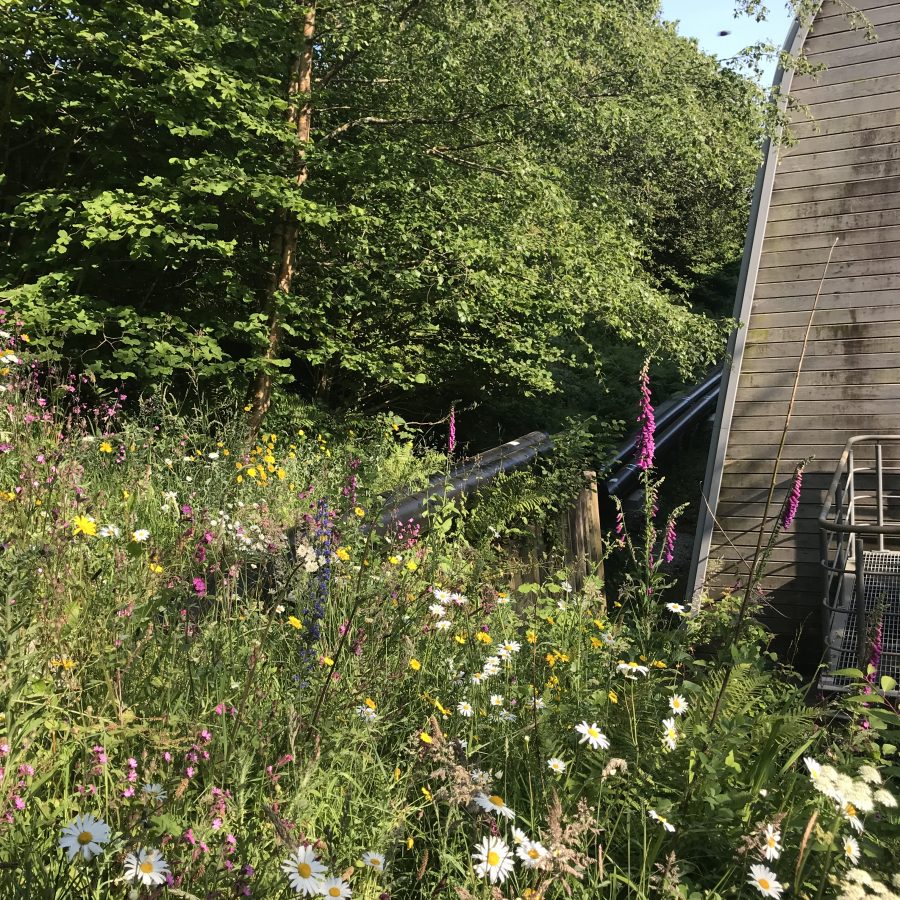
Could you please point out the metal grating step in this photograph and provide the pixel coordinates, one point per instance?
(882, 591)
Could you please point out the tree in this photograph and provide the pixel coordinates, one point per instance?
(476, 194)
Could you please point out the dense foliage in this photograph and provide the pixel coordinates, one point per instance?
(494, 195)
(194, 707)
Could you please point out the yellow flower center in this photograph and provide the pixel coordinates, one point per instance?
(533, 853)
(85, 838)
(146, 867)
(497, 801)
(334, 892)
(304, 870)
(851, 810)
(770, 841)
(593, 732)
(493, 858)
(764, 883)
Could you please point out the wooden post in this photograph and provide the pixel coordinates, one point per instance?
(582, 536)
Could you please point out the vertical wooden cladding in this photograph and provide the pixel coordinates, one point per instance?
(839, 180)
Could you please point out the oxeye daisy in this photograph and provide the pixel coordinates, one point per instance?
(676, 608)
(464, 708)
(440, 595)
(443, 625)
(366, 713)
(815, 770)
(155, 792)
(374, 861)
(531, 853)
(592, 735)
(146, 866)
(494, 858)
(140, 535)
(661, 819)
(678, 704)
(851, 849)
(334, 887)
(304, 871)
(494, 803)
(437, 610)
(631, 669)
(555, 764)
(496, 700)
(519, 836)
(772, 842)
(765, 881)
(84, 836)
(670, 733)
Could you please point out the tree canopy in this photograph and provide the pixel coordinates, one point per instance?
(491, 193)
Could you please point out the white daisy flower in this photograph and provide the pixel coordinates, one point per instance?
(458, 599)
(334, 887)
(765, 881)
(147, 866)
(85, 836)
(678, 704)
(815, 770)
(607, 638)
(304, 871)
(531, 853)
(373, 860)
(519, 836)
(507, 648)
(366, 714)
(676, 608)
(437, 610)
(443, 625)
(496, 699)
(592, 735)
(851, 815)
(140, 535)
(481, 778)
(631, 669)
(661, 819)
(464, 708)
(538, 703)
(851, 849)
(155, 792)
(495, 860)
(772, 841)
(555, 764)
(670, 733)
(109, 531)
(494, 803)
(478, 677)
(441, 595)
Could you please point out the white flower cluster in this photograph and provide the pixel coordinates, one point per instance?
(851, 795)
(859, 885)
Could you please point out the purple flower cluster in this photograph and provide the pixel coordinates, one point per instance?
(451, 440)
(646, 444)
(314, 611)
(669, 541)
(793, 500)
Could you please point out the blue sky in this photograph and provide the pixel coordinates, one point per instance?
(704, 19)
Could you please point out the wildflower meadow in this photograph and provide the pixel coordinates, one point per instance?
(220, 680)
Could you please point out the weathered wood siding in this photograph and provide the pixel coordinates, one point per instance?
(840, 180)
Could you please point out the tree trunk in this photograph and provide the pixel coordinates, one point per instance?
(286, 229)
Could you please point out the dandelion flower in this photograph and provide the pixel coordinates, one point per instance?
(155, 792)
(765, 881)
(555, 764)
(84, 525)
(851, 849)
(670, 733)
(464, 708)
(590, 734)
(495, 804)
(146, 866)
(678, 704)
(334, 887)
(85, 835)
(772, 841)
(494, 858)
(304, 871)
(631, 669)
(140, 535)
(374, 861)
(661, 819)
(531, 853)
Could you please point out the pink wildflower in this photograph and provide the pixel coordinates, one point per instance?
(646, 444)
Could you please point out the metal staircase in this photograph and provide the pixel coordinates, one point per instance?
(859, 529)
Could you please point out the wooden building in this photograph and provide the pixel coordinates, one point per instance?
(840, 180)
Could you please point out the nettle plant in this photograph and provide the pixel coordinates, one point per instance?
(195, 705)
